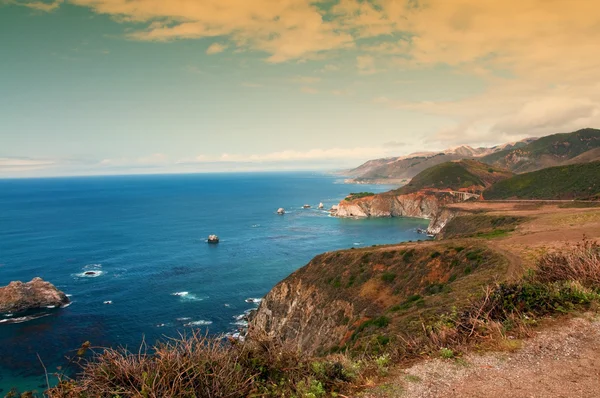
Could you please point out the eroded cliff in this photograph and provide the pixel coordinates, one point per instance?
(363, 297)
(427, 204)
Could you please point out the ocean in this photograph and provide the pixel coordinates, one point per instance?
(145, 239)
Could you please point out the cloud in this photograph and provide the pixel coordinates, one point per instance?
(329, 68)
(306, 79)
(284, 30)
(309, 90)
(251, 85)
(46, 6)
(216, 48)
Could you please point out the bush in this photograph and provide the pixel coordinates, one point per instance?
(580, 263)
(201, 367)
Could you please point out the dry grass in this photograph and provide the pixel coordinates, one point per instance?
(202, 367)
(580, 263)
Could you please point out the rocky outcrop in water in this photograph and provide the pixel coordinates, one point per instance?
(422, 204)
(19, 296)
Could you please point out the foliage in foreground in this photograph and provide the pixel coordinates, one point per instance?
(199, 366)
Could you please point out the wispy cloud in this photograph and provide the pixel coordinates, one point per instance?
(216, 48)
(309, 90)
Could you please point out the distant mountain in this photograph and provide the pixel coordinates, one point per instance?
(406, 167)
(576, 181)
(467, 174)
(553, 150)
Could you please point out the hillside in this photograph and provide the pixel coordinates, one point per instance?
(375, 295)
(469, 175)
(406, 167)
(578, 181)
(549, 151)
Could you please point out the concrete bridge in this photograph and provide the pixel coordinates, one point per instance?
(464, 195)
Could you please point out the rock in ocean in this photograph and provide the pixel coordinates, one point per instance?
(19, 296)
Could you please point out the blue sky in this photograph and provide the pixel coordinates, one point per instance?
(146, 86)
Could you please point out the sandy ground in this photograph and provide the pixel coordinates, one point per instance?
(562, 361)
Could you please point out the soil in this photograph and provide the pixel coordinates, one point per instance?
(560, 361)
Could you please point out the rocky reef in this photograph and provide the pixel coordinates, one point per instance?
(20, 297)
(429, 204)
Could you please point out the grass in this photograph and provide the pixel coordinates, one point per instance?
(579, 205)
(481, 226)
(455, 175)
(358, 195)
(577, 181)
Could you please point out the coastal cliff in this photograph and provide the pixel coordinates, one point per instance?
(360, 297)
(428, 204)
(19, 296)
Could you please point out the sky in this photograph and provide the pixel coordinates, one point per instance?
(95, 87)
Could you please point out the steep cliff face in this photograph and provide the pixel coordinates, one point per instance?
(19, 296)
(423, 204)
(362, 297)
(294, 311)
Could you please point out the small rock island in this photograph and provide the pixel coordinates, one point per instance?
(20, 297)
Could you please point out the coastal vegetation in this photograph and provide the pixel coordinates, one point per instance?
(358, 195)
(460, 175)
(577, 181)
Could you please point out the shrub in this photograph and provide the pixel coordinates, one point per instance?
(202, 367)
(446, 353)
(388, 277)
(580, 263)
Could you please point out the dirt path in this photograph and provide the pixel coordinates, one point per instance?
(560, 362)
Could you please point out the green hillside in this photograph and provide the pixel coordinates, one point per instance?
(471, 174)
(578, 181)
(549, 151)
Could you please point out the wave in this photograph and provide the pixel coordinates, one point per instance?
(187, 296)
(198, 323)
(242, 323)
(23, 318)
(254, 300)
(183, 319)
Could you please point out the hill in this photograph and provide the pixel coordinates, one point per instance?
(549, 151)
(406, 167)
(469, 175)
(577, 181)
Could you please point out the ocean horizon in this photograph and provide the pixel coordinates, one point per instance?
(131, 252)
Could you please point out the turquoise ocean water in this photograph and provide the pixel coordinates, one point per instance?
(145, 238)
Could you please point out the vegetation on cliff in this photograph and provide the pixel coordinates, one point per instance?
(480, 226)
(577, 181)
(358, 195)
(464, 174)
(552, 150)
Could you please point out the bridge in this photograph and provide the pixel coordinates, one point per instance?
(462, 196)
